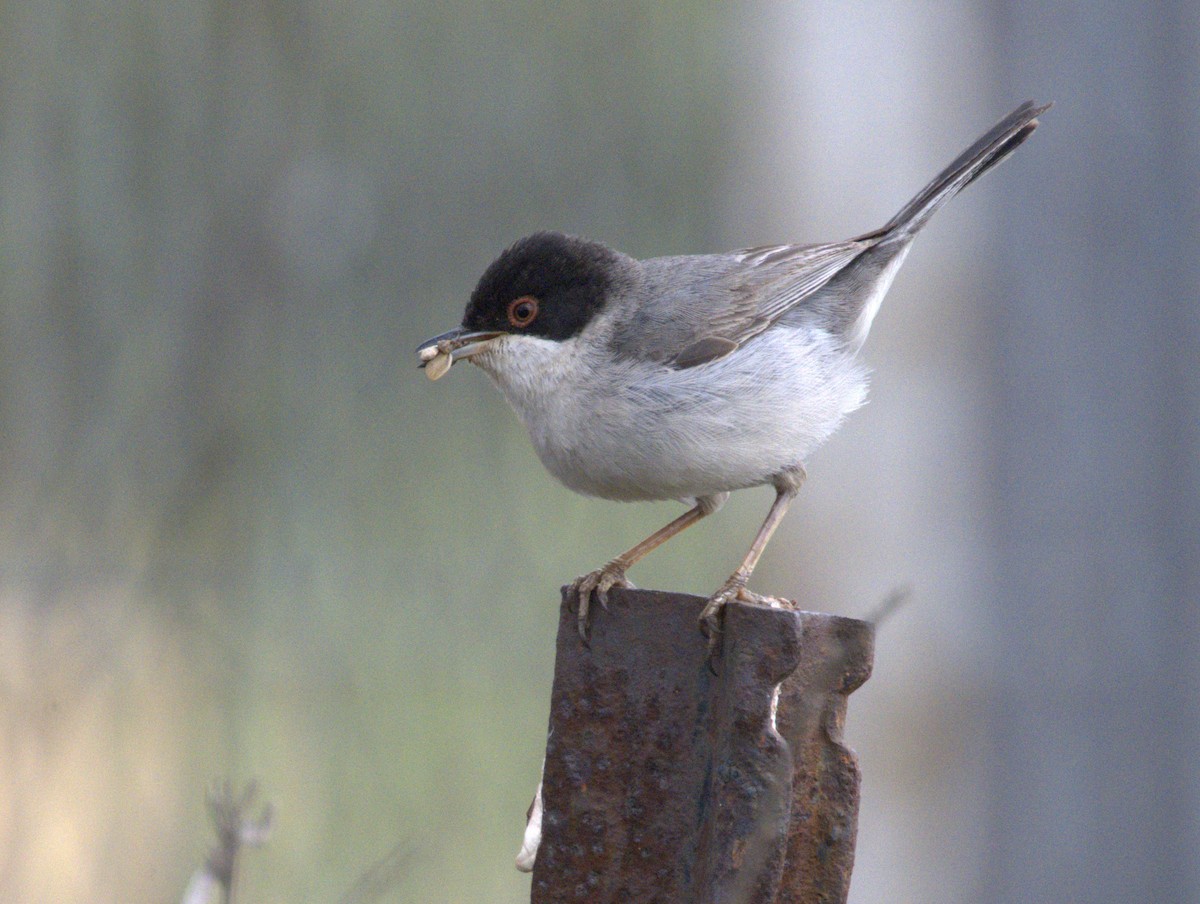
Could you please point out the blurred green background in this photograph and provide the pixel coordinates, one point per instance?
(243, 536)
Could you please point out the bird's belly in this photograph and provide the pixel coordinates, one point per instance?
(653, 432)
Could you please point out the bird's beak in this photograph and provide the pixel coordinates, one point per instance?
(438, 353)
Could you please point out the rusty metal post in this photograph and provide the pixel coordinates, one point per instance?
(670, 781)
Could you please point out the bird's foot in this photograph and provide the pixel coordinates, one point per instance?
(713, 612)
(596, 584)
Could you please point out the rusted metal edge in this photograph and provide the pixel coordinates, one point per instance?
(669, 781)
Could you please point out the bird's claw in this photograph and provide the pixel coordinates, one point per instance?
(713, 612)
(596, 584)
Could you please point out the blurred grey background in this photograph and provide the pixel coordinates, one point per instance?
(241, 535)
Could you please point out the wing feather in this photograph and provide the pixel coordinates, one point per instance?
(761, 285)
(695, 309)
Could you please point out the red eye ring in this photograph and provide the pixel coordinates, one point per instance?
(522, 311)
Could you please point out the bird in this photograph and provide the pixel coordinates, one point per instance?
(690, 377)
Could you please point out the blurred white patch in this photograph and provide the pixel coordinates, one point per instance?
(202, 889)
(533, 834)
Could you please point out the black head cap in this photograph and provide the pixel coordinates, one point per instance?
(547, 284)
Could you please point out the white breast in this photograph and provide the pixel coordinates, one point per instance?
(630, 430)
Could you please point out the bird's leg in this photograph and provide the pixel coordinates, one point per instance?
(787, 485)
(602, 580)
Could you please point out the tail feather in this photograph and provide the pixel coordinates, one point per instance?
(858, 290)
(1000, 141)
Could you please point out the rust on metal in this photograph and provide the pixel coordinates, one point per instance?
(669, 781)
(837, 658)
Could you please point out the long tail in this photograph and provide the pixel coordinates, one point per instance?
(1000, 141)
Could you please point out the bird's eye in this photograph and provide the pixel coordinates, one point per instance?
(522, 311)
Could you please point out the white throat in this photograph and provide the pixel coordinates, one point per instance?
(529, 370)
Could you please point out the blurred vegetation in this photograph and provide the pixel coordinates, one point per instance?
(242, 535)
